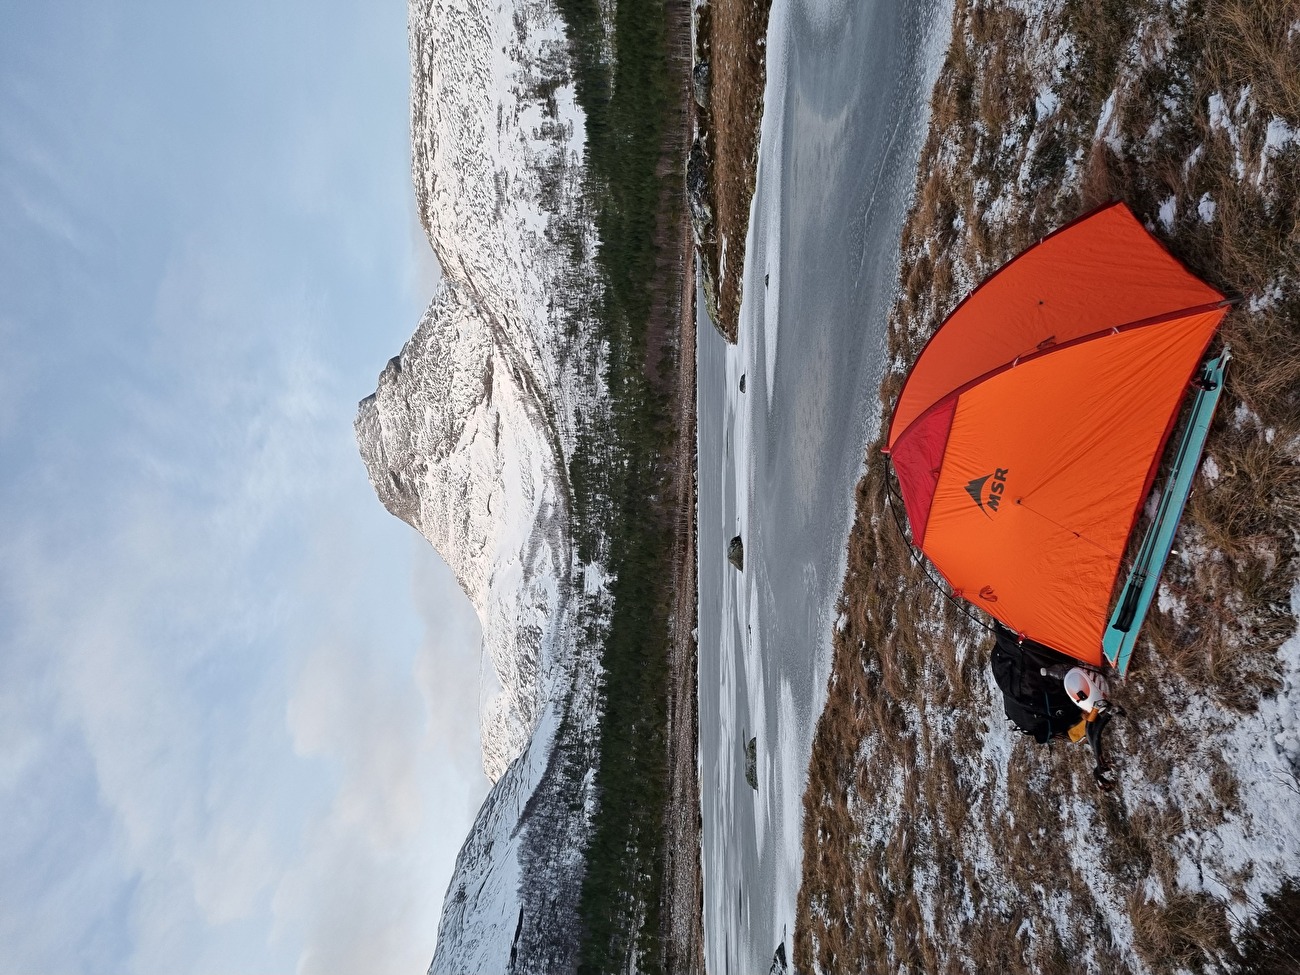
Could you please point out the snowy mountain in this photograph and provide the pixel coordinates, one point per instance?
(466, 439)
(457, 446)
(466, 435)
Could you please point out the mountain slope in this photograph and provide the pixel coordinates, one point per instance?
(467, 438)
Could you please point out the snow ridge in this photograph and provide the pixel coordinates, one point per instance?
(467, 434)
(467, 438)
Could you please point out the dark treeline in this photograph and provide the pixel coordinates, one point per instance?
(619, 471)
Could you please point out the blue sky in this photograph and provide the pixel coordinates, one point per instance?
(238, 699)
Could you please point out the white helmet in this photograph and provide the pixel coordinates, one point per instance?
(1086, 688)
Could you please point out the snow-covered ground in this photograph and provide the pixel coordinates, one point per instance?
(1205, 823)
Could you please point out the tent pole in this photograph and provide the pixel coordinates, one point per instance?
(1140, 587)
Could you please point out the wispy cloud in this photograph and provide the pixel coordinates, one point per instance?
(15, 381)
(403, 743)
(425, 276)
(259, 754)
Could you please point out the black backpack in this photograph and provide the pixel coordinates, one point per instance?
(1037, 704)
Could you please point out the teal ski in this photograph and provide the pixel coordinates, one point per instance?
(1140, 587)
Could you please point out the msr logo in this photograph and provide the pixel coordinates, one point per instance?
(989, 496)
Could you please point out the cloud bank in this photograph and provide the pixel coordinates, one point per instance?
(238, 700)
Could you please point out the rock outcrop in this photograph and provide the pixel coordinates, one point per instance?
(736, 553)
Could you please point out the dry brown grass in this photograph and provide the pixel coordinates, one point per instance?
(1183, 932)
(731, 37)
(682, 909)
(890, 880)
(1254, 43)
(1272, 946)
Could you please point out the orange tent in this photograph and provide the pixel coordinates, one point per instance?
(1029, 430)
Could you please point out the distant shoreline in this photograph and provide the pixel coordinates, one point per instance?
(731, 34)
(684, 880)
(731, 44)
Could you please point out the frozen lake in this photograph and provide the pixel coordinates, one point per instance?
(848, 85)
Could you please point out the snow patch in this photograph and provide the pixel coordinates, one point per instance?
(1266, 299)
(1168, 213)
(1106, 125)
(1046, 102)
(1210, 468)
(1278, 138)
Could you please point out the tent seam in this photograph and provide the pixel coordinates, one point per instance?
(1162, 319)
